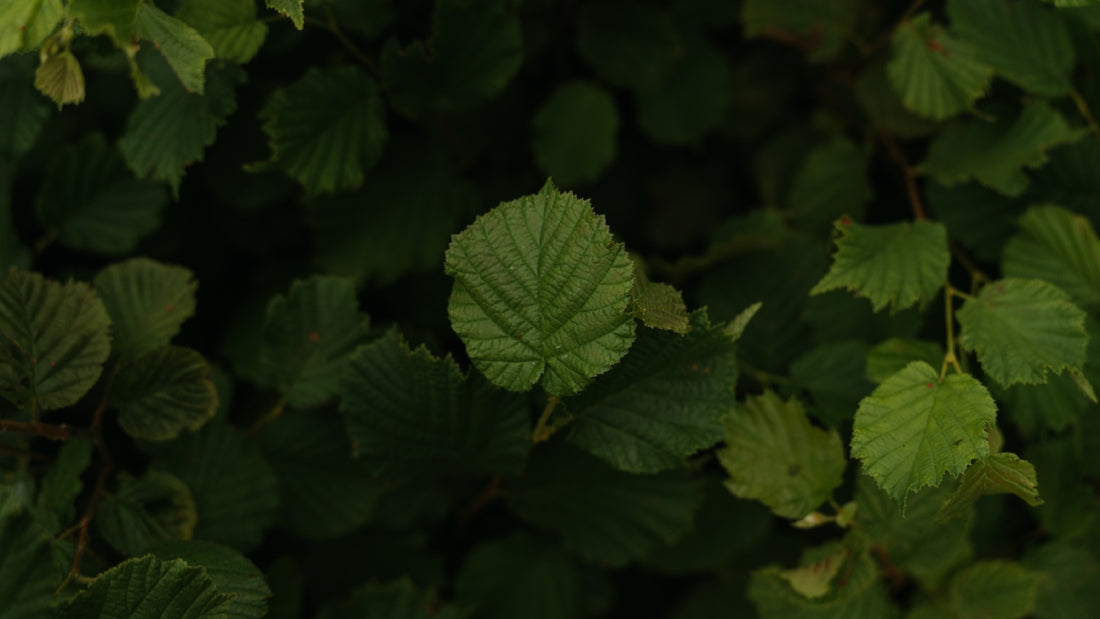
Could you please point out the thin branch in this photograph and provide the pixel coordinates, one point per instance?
(907, 171)
(896, 576)
(53, 432)
(490, 493)
(1086, 112)
(950, 359)
(977, 276)
(85, 524)
(543, 430)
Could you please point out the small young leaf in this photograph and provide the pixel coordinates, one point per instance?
(1058, 246)
(774, 455)
(54, 339)
(894, 264)
(999, 473)
(148, 588)
(60, 78)
(541, 291)
(995, 589)
(230, 571)
(575, 133)
(230, 26)
(182, 46)
(161, 392)
(145, 510)
(147, 302)
(292, 9)
(1023, 328)
(658, 305)
(936, 75)
(914, 427)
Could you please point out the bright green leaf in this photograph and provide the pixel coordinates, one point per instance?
(25, 23)
(601, 513)
(893, 264)
(575, 133)
(662, 403)
(230, 26)
(327, 128)
(147, 302)
(693, 98)
(183, 47)
(936, 75)
(999, 473)
(1060, 247)
(631, 45)
(774, 455)
(60, 78)
(28, 575)
(914, 427)
(995, 154)
(54, 339)
(307, 337)
(995, 590)
(831, 182)
(409, 413)
(890, 357)
(474, 51)
(114, 18)
(541, 291)
(91, 202)
(292, 9)
(396, 600)
(163, 391)
(1025, 42)
(23, 111)
(230, 571)
(1023, 328)
(167, 133)
(819, 28)
(148, 588)
(145, 510)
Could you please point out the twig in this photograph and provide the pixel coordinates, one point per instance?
(907, 171)
(490, 493)
(897, 578)
(58, 432)
(543, 430)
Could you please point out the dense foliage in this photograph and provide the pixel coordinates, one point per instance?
(293, 324)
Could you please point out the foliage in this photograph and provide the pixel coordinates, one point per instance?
(566, 310)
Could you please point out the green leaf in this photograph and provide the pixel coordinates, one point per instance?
(161, 392)
(541, 291)
(999, 473)
(408, 414)
(147, 302)
(831, 182)
(308, 336)
(62, 485)
(474, 51)
(995, 589)
(995, 154)
(230, 26)
(893, 264)
(167, 133)
(326, 129)
(1060, 247)
(884, 106)
(628, 44)
(914, 427)
(693, 98)
(236, 491)
(90, 201)
(325, 493)
(575, 133)
(980, 219)
(396, 600)
(1025, 43)
(26, 23)
(662, 403)
(818, 28)
(28, 575)
(936, 75)
(23, 111)
(601, 513)
(833, 374)
(60, 78)
(890, 357)
(774, 455)
(1023, 328)
(183, 47)
(523, 576)
(813, 580)
(148, 588)
(55, 338)
(145, 510)
(1069, 592)
(658, 305)
(292, 9)
(230, 571)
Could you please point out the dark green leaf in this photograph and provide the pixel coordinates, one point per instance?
(936, 75)
(818, 28)
(575, 133)
(147, 302)
(161, 392)
(995, 589)
(397, 600)
(691, 100)
(230, 26)
(148, 588)
(23, 111)
(628, 44)
(1060, 247)
(230, 571)
(998, 473)
(145, 510)
(28, 576)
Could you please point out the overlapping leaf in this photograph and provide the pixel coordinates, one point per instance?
(884, 106)
(658, 305)
(936, 74)
(891, 356)
(894, 264)
(1023, 328)
(1060, 247)
(147, 302)
(307, 337)
(409, 413)
(162, 392)
(90, 201)
(996, 589)
(998, 473)
(774, 455)
(230, 26)
(631, 45)
(230, 571)
(915, 427)
(575, 133)
(149, 588)
(1025, 42)
(996, 154)
(1071, 570)
(23, 111)
(603, 514)
(154, 507)
(541, 292)
(54, 339)
(327, 128)
(28, 574)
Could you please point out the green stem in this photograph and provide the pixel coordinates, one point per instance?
(543, 429)
(949, 315)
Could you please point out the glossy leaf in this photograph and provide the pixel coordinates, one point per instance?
(230, 571)
(162, 392)
(998, 473)
(915, 427)
(936, 75)
(1060, 247)
(145, 510)
(541, 292)
(230, 26)
(149, 588)
(774, 455)
(575, 133)
(147, 302)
